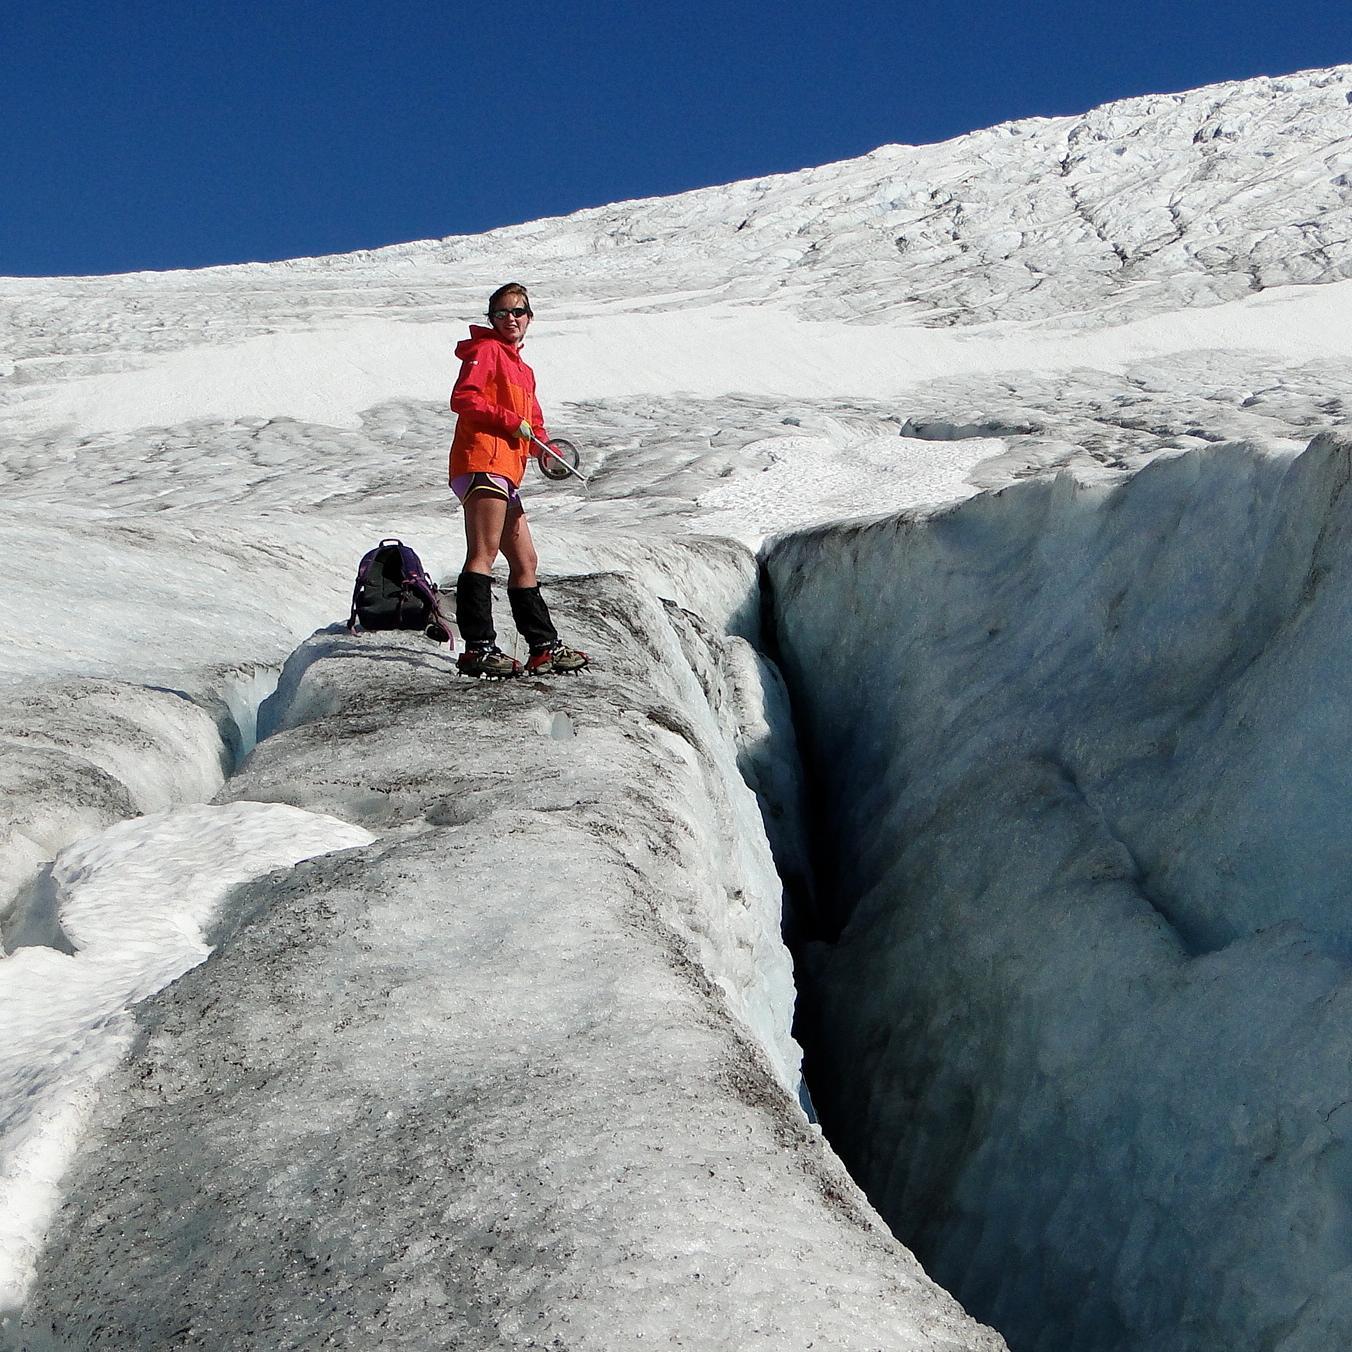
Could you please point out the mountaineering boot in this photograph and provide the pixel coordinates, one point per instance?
(531, 617)
(485, 659)
(556, 656)
(474, 609)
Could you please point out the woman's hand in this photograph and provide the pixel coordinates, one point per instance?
(526, 432)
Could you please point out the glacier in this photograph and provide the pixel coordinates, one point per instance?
(964, 559)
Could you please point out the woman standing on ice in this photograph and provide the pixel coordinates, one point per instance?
(499, 415)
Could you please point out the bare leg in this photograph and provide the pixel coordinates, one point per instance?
(485, 517)
(516, 543)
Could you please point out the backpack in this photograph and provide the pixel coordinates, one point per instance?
(393, 591)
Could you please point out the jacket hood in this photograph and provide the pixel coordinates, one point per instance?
(477, 336)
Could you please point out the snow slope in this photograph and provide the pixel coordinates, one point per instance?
(192, 463)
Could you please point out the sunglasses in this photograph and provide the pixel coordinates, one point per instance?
(517, 312)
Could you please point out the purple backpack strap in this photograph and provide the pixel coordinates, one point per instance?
(424, 587)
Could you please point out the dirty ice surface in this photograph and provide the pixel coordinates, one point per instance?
(127, 909)
(192, 463)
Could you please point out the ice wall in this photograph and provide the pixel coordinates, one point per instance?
(1082, 757)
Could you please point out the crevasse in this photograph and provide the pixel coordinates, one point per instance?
(1078, 1012)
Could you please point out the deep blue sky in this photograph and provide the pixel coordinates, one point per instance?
(177, 133)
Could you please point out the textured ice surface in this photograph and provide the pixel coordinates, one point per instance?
(512, 1076)
(1084, 760)
(131, 905)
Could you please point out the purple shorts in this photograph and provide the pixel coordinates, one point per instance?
(496, 484)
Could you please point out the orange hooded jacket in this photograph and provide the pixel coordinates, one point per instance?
(493, 395)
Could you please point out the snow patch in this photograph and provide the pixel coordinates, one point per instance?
(332, 374)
